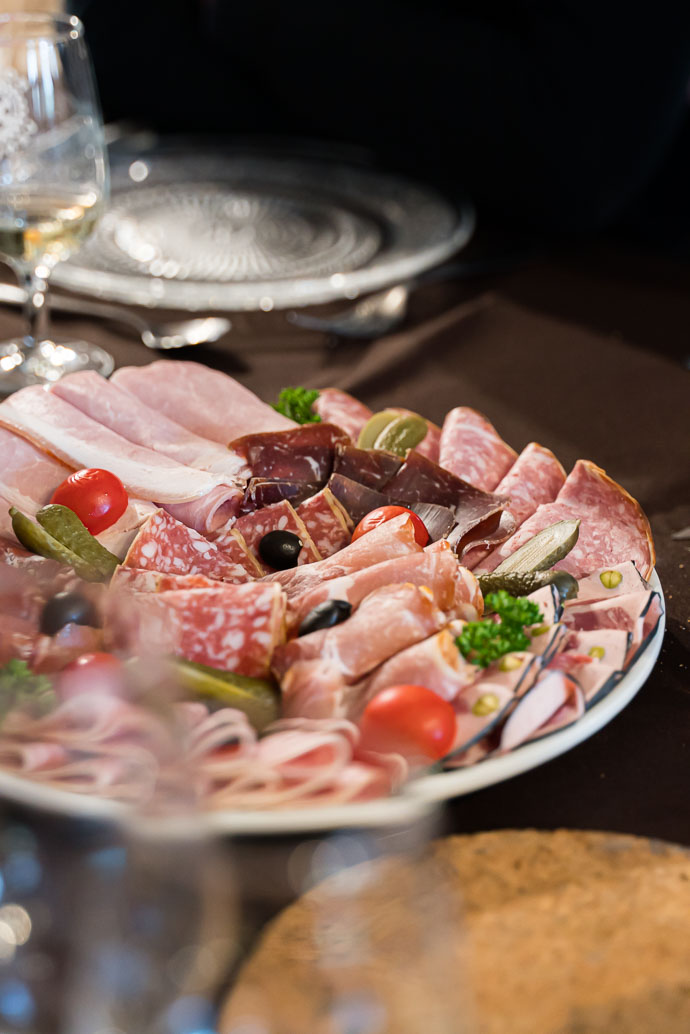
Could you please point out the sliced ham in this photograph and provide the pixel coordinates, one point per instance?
(337, 407)
(473, 450)
(637, 613)
(539, 707)
(129, 416)
(206, 402)
(536, 477)
(594, 677)
(28, 477)
(170, 547)
(613, 527)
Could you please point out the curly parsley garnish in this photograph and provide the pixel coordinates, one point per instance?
(20, 687)
(296, 404)
(482, 642)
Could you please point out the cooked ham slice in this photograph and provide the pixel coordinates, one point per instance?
(28, 477)
(473, 450)
(208, 403)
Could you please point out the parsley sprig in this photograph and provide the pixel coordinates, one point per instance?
(296, 404)
(482, 642)
(20, 687)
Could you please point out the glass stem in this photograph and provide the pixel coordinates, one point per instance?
(35, 283)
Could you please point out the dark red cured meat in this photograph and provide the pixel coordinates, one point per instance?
(373, 468)
(472, 449)
(234, 628)
(337, 407)
(613, 527)
(303, 454)
(278, 517)
(536, 477)
(357, 499)
(327, 522)
(164, 544)
(266, 491)
(483, 536)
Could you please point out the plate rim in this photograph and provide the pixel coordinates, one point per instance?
(417, 799)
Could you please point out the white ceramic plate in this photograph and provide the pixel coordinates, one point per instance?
(417, 798)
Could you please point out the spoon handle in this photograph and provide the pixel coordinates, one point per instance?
(13, 295)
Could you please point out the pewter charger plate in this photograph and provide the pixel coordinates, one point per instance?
(251, 232)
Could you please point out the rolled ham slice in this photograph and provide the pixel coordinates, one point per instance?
(127, 415)
(473, 450)
(435, 663)
(613, 527)
(208, 403)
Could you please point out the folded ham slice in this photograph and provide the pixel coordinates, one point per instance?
(205, 401)
(67, 433)
(473, 450)
(28, 477)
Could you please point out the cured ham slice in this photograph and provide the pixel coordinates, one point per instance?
(393, 539)
(278, 517)
(372, 468)
(165, 545)
(206, 402)
(265, 491)
(327, 522)
(613, 527)
(536, 477)
(234, 628)
(435, 663)
(128, 416)
(451, 585)
(299, 454)
(337, 407)
(473, 450)
(63, 431)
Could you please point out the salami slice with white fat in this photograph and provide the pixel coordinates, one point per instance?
(277, 517)
(132, 579)
(337, 407)
(473, 450)
(234, 628)
(164, 544)
(613, 527)
(327, 522)
(233, 546)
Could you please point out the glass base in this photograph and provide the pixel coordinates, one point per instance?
(47, 362)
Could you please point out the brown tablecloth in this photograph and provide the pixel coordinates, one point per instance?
(621, 401)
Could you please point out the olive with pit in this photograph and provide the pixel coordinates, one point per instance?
(67, 608)
(280, 549)
(325, 615)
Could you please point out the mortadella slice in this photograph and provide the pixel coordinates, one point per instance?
(166, 545)
(473, 450)
(608, 582)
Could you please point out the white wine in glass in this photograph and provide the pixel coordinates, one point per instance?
(53, 181)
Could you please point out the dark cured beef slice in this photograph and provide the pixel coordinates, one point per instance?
(303, 454)
(357, 499)
(439, 521)
(262, 492)
(497, 527)
(371, 467)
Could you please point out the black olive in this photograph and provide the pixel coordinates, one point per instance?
(67, 608)
(325, 615)
(566, 586)
(280, 549)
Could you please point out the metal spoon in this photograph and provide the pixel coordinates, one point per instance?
(160, 337)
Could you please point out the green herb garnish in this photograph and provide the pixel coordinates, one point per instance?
(296, 404)
(20, 687)
(482, 642)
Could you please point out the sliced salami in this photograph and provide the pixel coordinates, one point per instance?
(613, 527)
(132, 579)
(473, 450)
(337, 407)
(164, 544)
(327, 522)
(232, 545)
(278, 517)
(234, 628)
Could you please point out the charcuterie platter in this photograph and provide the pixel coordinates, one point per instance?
(352, 614)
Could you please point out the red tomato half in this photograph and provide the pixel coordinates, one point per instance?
(96, 496)
(387, 513)
(101, 673)
(409, 720)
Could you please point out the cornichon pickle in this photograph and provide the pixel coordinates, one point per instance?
(522, 583)
(64, 525)
(403, 433)
(543, 550)
(38, 540)
(258, 698)
(373, 427)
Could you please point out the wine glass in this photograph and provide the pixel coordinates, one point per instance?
(53, 180)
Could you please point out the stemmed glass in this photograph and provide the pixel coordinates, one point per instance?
(53, 180)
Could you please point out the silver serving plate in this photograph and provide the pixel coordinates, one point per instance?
(247, 232)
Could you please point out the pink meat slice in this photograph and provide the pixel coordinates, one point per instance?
(205, 401)
(435, 663)
(28, 476)
(473, 450)
(327, 522)
(613, 527)
(607, 645)
(337, 407)
(591, 675)
(234, 628)
(393, 539)
(537, 708)
(165, 545)
(536, 477)
(386, 621)
(439, 570)
(276, 517)
(636, 613)
(605, 584)
(129, 416)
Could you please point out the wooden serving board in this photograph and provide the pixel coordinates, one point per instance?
(522, 932)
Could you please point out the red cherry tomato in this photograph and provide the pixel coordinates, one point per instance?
(409, 720)
(96, 496)
(92, 673)
(387, 513)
